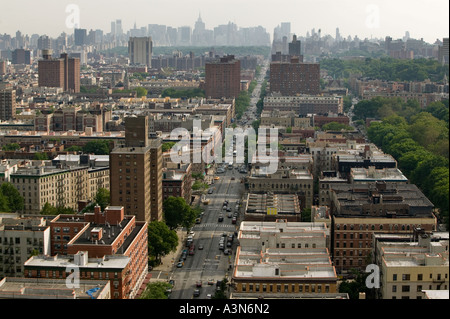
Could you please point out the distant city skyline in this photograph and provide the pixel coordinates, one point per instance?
(366, 19)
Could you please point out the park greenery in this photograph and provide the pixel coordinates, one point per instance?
(386, 68)
(141, 92)
(335, 126)
(418, 139)
(186, 93)
(100, 147)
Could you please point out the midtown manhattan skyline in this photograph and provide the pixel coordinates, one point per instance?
(366, 19)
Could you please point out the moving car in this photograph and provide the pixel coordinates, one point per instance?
(196, 292)
(198, 284)
(220, 218)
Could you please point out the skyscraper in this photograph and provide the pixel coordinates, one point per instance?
(80, 36)
(140, 50)
(136, 172)
(223, 78)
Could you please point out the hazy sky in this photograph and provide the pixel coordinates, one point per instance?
(427, 19)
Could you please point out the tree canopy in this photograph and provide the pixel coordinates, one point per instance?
(178, 213)
(161, 240)
(386, 68)
(10, 198)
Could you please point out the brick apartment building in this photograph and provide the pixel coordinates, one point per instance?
(7, 102)
(358, 211)
(223, 78)
(136, 172)
(63, 72)
(294, 77)
(106, 245)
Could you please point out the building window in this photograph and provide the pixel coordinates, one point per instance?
(394, 277)
(394, 288)
(419, 277)
(406, 277)
(405, 288)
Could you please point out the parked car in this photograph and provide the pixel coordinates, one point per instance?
(196, 292)
(234, 220)
(180, 264)
(210, 282)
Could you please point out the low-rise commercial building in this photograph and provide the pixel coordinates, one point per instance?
(283, 258)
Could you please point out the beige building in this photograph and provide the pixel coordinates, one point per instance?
(283, 258)
(287, 118)
(39, 183)
(286, 180)
(19, 239)
(410, 265)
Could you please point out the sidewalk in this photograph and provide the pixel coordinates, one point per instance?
(170, 261)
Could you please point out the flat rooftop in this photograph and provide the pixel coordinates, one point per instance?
(108, 262)
(39, 288)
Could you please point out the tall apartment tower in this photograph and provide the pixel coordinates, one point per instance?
(63, 72)
(7, 102)
(223, 78)
(140, 50)
(136, 172)
(294, 77)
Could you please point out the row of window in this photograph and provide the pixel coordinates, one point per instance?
(285, 288)
(376, 227)
(407, 288)
(407, 277)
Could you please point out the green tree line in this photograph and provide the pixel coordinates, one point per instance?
(420, 147)
(387, 69)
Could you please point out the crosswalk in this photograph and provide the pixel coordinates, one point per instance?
(214, 225)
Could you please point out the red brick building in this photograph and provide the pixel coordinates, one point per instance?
(294, 77)
(117, 245)
(223, 78)
(63, 72)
